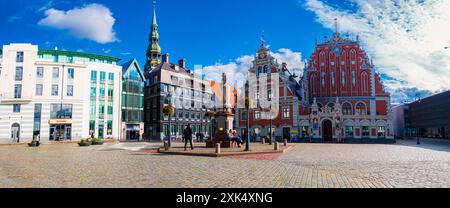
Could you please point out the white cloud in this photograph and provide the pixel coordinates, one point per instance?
(406, 39)
(237, 70)
(93, 21)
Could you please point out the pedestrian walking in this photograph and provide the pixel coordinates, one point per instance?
(187, 134)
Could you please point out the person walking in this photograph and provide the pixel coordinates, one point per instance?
(187, 134)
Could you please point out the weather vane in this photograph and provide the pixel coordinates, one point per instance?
(263, 40)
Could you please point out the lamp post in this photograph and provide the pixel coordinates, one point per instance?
(247, 106)
(169, 97)
(271, 122)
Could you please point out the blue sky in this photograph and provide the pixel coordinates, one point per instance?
(405, 38)
(202, 31)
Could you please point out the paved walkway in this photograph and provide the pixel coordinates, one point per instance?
(306, 165)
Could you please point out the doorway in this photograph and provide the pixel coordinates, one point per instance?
(15, 132)
(60, 132)
(287, 134)
(101, 133)
(327, 128)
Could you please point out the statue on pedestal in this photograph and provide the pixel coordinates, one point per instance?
(224, 120)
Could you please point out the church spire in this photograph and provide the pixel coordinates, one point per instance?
(153, 50)
(263, 39)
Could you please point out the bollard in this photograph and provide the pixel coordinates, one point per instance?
(263, 141)
(218, 148)
(166, 145)
(276, 146)
(285, 142)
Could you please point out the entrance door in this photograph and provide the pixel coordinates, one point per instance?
(67, 132)
(101, 131)
(327, 127)
(52, 133)
(15, 132)
(287, 133)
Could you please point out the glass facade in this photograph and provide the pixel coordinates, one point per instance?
(133, 96)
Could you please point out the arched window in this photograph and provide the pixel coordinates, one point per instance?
(347, 109)
(364, 82)
(361, 109)
(260, 70)
(343, 78)
(332, 79)
(313, 84)
(266, 69)
(353, 77)
(323, 79)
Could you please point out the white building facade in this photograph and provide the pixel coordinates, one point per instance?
(57, 95)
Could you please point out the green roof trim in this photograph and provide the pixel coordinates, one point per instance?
(79, 54)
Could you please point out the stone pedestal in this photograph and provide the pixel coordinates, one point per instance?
(224, 121)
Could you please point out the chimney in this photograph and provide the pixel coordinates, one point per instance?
(182, 63)
(165, 58)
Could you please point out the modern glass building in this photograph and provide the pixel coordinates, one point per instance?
(132, 101)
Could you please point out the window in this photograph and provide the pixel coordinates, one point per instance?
(347, 109)
(349, 131)
(70, 73)
(40, 72)
(286, 113)
(54, 90)
(361, 109)
(365, 131)
(70, 90)
(102, 91)
(93, 92)
(16, 108)
(19, 57)
(364, 82)
(381, 132)
(244, 116)
(55, 73)
(343, 78)
(323, 79)
(111, 76)
(93, 76)
(19, 73)
(102, 76)
(353, 78)
(155, 79)
(18, 91)
(58, 111)
(39, 90)
(110, 92)
(110, 108)
(332, 78)
(37, 119)
(305, 131)
(257, 115)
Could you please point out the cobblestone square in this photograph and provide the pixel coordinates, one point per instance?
(404, 164)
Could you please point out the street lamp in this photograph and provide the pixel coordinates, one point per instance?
(247, 106)
(271, 121)
(169, 112)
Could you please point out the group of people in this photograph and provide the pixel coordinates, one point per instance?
(188, 134)
(232, 134)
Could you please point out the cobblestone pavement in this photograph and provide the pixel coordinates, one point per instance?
(306, 165)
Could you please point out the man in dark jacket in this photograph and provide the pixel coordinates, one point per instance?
(187, 134)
